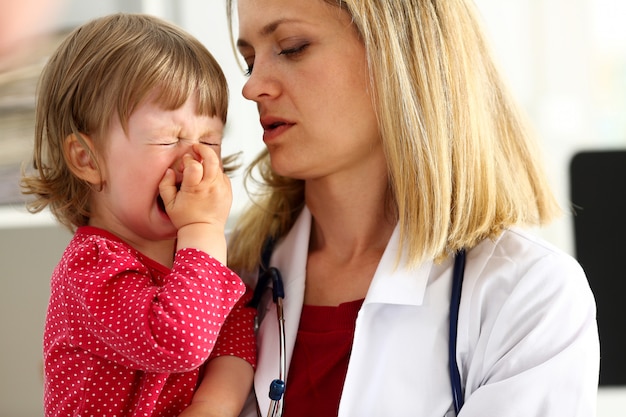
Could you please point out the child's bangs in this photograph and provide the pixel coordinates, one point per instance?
(194, 74)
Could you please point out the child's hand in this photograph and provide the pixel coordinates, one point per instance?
(200, 208)
(205, 194)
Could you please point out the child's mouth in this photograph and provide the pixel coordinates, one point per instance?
(161, 203)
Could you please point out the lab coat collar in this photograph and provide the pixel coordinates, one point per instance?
(395, 282)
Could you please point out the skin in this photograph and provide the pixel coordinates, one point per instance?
(308, 76)
(137, 196)
(222, 396)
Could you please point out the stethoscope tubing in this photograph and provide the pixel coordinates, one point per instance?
(277, 387)
(455, 304)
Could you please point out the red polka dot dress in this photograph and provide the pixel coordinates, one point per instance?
(126, 336)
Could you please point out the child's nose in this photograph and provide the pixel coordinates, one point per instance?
(179, 164)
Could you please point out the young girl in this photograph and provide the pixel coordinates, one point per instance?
(130, 117)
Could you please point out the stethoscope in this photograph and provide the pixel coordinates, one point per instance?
(269, 274)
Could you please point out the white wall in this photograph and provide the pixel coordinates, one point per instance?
(562, 58)
(566, 63)
(27, 256)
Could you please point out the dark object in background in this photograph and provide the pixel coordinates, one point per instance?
(598, 193)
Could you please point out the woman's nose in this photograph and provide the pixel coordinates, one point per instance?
(262, 83)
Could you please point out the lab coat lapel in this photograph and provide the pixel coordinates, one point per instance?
(397, 292)
(396, 282)
(289, 257)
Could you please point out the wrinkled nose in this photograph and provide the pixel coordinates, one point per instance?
(179, 164)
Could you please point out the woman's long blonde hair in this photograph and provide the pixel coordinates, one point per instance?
(105, 69)
(462, 165)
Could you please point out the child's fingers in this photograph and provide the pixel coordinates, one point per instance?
(211, 162)
(192, 172)
(167, 187)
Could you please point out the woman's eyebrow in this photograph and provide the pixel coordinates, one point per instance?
(266, 30)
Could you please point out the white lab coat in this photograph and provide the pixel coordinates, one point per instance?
(527, 334)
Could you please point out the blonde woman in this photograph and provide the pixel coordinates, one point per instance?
(393, 148)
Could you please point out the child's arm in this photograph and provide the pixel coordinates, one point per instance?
(228, 374)
(224, 388)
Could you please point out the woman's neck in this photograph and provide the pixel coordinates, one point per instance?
(351, 216)
(349, 233)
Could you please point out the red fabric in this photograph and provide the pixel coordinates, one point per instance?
(125, 336)
(320, 360)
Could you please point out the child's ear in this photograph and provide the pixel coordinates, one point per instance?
(80, 154)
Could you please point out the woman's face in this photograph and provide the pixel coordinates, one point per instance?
(308, 75)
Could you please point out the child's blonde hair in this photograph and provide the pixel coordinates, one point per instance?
(103, 70)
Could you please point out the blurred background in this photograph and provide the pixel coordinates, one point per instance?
(565, 61)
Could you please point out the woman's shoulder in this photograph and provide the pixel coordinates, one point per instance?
(528, 319)
(523, 266)
(521, 251)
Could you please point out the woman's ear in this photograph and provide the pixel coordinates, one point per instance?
(80, 155)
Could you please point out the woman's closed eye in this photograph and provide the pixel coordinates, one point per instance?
(291, 53)
(294, 52)
(248, 70)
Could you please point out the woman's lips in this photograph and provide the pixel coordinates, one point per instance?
(274, 127)
(272, 133)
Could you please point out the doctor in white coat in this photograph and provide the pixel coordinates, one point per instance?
(527, 339)
(392, 144)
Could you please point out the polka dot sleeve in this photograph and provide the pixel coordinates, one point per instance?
(237, 336)
(130, 310)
